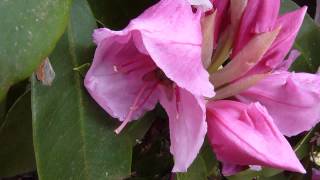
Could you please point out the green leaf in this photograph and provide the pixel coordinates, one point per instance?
(197, 170)
(14, 93)
(212, 164)
(302, 149)
(29, 31)
(116, 14)
(204, 166)
(73, 136)
(16, 152)
(307, 42)
(277, 177)
(2, 111)
(152, 158)
(247, 174)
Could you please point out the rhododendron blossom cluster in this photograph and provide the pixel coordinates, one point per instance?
(219, 69)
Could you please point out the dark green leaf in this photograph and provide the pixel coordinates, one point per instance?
(302, 149)
(307, 42)
(152, 160)
(2, 111)
(16, 152)
(73, 137)
(277, 177)
(116, 14)
(206, 165)
(212, 164)
(151, 157)
(247, 174)
(14, 93)
(197, 170)
(29, 31)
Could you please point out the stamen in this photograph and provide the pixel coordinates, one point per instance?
(136, 106)
(133, 108)
(149, 94)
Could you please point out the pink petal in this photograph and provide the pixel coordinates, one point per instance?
(102, 33)
(290, 24)
(171, 34)
(115, 91)
(246, 135)
(204, 5)
(182, 64)
(187, 126)
(222, 7)
(259, 16)
(292, 99)
(265, 15)
(170, 20)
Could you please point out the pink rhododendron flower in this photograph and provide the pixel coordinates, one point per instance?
(273, 101)
(157, 57)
